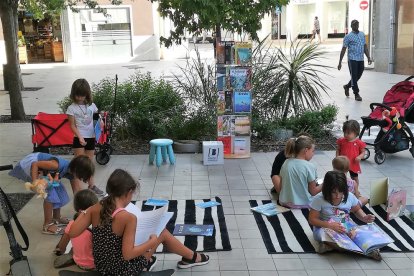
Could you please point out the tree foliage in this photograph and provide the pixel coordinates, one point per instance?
(194, 16)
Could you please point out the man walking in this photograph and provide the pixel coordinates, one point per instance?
(355, 42)
(316, 29)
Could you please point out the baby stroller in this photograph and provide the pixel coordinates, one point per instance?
(103, 139)
(392, 116)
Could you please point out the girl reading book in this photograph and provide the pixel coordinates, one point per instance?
(113, 233)
(331, 210)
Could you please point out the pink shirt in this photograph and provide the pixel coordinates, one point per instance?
(82, 248)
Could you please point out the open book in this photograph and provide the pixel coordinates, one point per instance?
(269, 209)
(361, 239)
(149, 222)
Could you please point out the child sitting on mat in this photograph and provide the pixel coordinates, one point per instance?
(113, 233)
(333, 206)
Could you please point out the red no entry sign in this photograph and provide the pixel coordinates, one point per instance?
(363, 5)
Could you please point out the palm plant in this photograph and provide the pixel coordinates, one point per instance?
(289, 80)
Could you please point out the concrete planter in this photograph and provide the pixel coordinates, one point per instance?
(186, 146)
(283, 134)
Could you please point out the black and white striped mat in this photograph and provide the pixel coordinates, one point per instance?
(290, 232)
(185, 212)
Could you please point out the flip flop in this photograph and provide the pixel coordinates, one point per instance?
(58, 231)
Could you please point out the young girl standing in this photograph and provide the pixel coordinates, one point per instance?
(298, 175)
(352, 147)
(332, 208)
(113, 233)
(80, 114)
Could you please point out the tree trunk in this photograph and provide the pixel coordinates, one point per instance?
(11, 70)
(218, 33)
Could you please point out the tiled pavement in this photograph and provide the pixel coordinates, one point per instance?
(236, 182)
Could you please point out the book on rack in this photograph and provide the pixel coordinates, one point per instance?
(229, 52)
(220, 52)
(243, 53)
(361, 238)
(269, 209)
(241, 78)
(221, 103)
(242, 125)
(242, 146)
(193, 230)
(228, 99)
(222, 77)
(228, 125)
(242, 101)
(395, 201)
(149, 222)
(227, 144)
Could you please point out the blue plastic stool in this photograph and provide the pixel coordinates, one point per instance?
(159, 150)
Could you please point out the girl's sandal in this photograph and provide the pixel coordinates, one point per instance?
(187, 263)
(57, 231)
(61, 221)
(57, 251)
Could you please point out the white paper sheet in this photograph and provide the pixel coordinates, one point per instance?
(149, 222)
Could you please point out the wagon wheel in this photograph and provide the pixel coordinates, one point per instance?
(379, 157)
(367, 154)
(102, 158)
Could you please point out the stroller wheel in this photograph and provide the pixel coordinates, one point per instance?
(379, 157)
(110, 149)
(102, 158)
(367, 154)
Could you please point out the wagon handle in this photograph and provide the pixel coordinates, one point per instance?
(6, 167)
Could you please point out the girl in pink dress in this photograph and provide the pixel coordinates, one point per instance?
(352, 147)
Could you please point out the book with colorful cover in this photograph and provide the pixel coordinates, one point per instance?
(396, 203)
(242, 125)
(229, 52)
(243, 53)
(241, 146)
(156, 202)
(361, 238)
(241, 78)
(208, 204)
(222, 77)
(227, 144)
(221, 103)
(242, 101)
(193, 230)
(269, 209)
(228, 99)
(220, 52)
(228, 125)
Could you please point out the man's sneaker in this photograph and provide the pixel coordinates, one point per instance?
(151, 263)
(346, 88)
(358, 97)
(98, 191)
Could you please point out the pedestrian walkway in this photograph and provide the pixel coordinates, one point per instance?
(235, 183)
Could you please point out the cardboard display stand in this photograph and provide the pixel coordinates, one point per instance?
(213, 153)
(234, 99)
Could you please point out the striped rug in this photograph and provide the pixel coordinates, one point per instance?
(185, 212)
(290, 232)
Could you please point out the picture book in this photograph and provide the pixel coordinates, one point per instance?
(241, 78)
(361, 239)
(193, 230)
(242, 146)
(149, 222)
(208, 204)
(242, 101)
(243, 53)
(222, 77)
(220, 126)
(227, 144)
(156, 202)
(220, 55)
(228, 125)
(221, 104)
(229, 52)
(242, 125)
(269, 209)
(228, 99)
(395, 201)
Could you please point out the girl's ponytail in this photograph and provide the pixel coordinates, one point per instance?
(108, 207)
(290, 148)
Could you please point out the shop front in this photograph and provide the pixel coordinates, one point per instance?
(39, 40)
